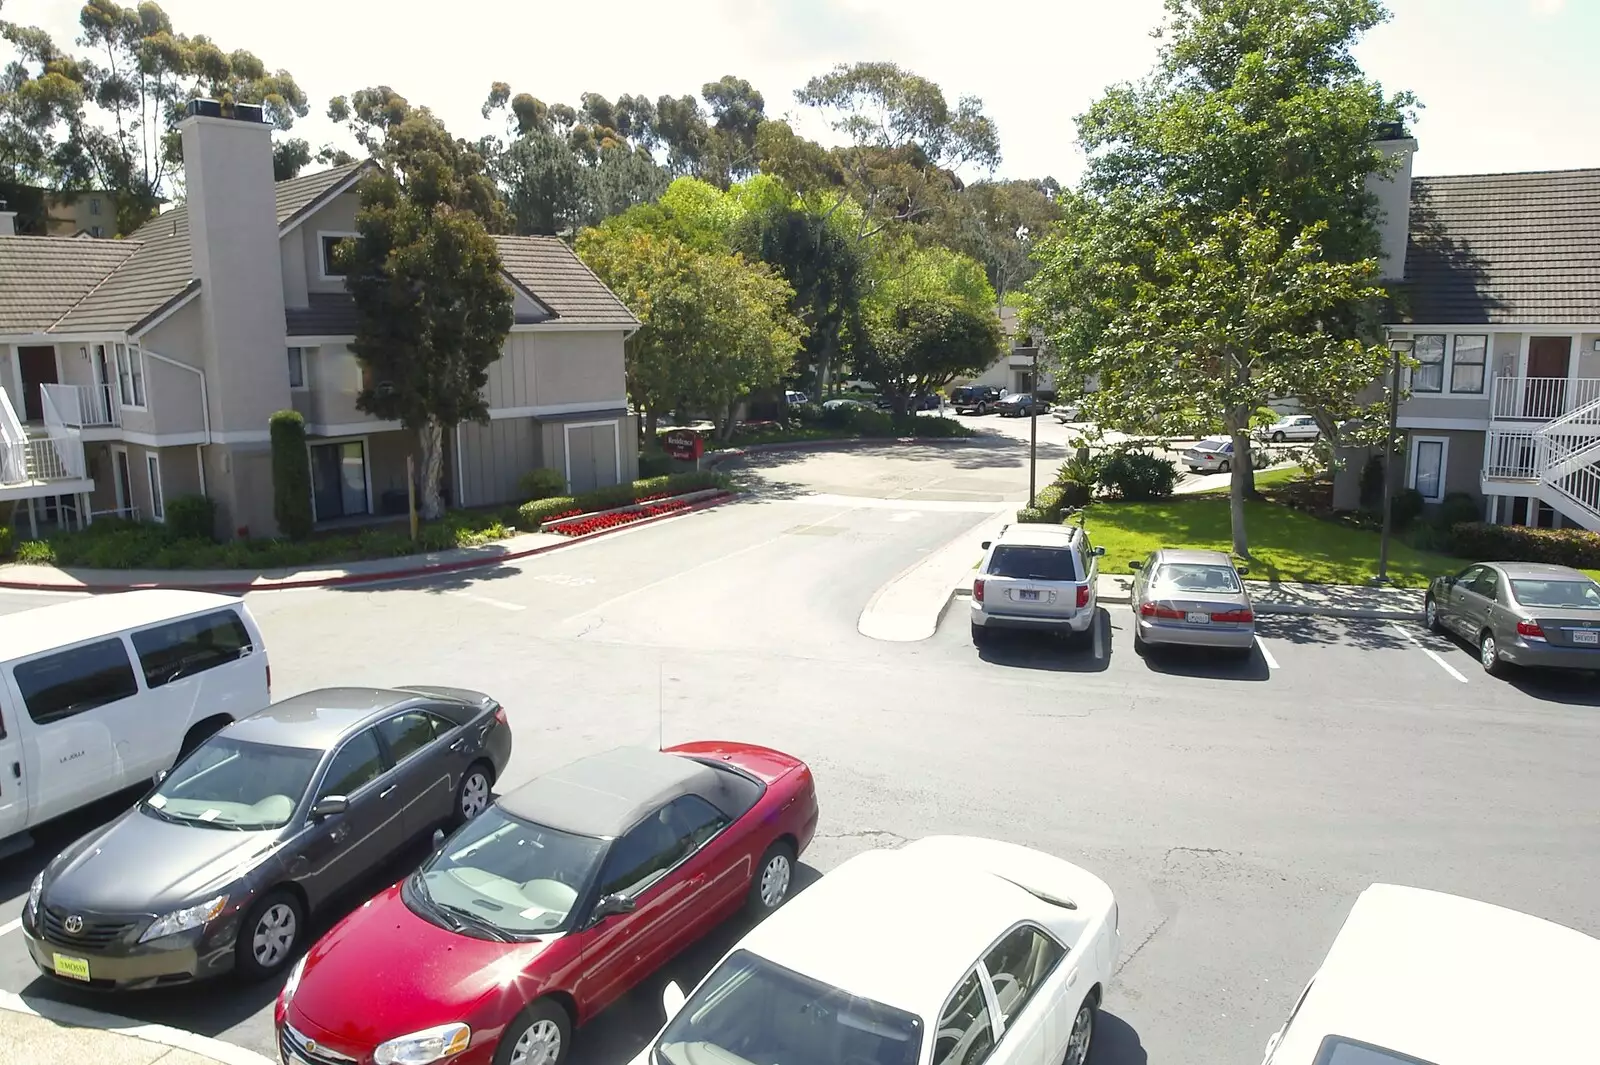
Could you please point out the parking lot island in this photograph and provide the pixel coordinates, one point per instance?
(47, 1032)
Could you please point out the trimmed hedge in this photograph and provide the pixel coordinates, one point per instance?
(532, 515)
(1137, 477)
(192, 517)
(542, 483)
(1577, 548)
(291, 474)
(1048, 505)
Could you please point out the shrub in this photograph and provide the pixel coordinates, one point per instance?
(7, 542)
(192, 517)
(1457, 507)
(36, 552)
(542, 484)
(291, 475)
(654, 463)
(1136, 477)
(532, 515)
(1407, 508)
(1516, 543)
(1048, 504)
(1077, 478)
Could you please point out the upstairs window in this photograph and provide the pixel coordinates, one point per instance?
(94, 208)
(1429, 353)
(1467, 364)
(297, 368)
(130, 376)
(330, 242)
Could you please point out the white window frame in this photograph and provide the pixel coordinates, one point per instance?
(1444, 464)
(158, 494)
(131, 391)
(322, 254)
(298, 355)
(1488, 360)
(94, 206)
(566, 445)
(121, 489)
(366, 469)
(1444, 364)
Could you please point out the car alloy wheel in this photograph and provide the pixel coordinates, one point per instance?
(775, 877)
(1430, 615)
(474, 793)
(1082, 1032)
(1224, 466)
(1277, 438)
(1489, 653)
(273, 936)
(539, 1045)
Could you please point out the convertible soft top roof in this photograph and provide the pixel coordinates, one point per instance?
(606, 794)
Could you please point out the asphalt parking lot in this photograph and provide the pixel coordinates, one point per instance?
(1237, 809)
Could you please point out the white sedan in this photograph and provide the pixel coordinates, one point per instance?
(948, 951)
(1294, 427)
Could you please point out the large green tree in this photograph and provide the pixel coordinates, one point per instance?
(426, 277)
(108, 117)
(1259, 102)
(922, 342)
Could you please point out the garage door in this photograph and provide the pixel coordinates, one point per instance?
(591, 456)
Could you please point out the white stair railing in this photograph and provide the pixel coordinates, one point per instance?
(58, 455)
(82, 406)
(13, 444)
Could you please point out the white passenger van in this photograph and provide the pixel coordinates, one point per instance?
(102, 693)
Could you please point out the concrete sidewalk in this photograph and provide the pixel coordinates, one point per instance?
(909, 607)
(239, 582)
(46, 1032)
(1319, 600)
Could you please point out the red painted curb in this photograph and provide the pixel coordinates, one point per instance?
(240, 588)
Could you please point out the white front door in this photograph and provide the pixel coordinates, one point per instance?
(104, 384)
(13, 778)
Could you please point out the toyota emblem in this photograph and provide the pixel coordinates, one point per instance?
(311, 1046)
(73, 924)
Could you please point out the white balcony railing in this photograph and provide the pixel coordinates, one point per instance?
(84, 406)
(1542, 399)
(1511, 457)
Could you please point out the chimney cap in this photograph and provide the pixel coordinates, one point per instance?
(1389, 131)
(206, 108)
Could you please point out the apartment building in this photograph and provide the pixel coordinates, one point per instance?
(133, 371)
(1500, 302)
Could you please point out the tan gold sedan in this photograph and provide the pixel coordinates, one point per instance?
(1192, 598)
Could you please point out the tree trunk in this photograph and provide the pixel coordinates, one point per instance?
(430, 439)
(651, 420)
(1240, 485)
(726, 432)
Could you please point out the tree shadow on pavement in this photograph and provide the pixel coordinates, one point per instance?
(1362, 633)
(624, 1028)
(1048, 651)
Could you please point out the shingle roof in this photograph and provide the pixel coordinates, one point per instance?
(546, 267)
(297, 194)
(155, 275)
(41, 278)
(331, 314)
(1498, 249)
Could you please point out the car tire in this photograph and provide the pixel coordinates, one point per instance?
(1140, 645)
(1078, 1043)
(980, 636)
(543, 1026)
(1277, 437)
(1430, 616)
(473, 794)
(270, 935)
(772, 881)
(1224, 466)
(1489, 654)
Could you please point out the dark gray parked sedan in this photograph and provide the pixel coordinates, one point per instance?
(221, 865)
(1522, 613)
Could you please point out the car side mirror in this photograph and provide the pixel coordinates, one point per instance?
(1136, 564)
(1449, 582)
(672, 999)
(611, 906)
(1241, 570)
(985, 544)
(438, 839)
(162, 775)
(1099, 551)
(329, 806)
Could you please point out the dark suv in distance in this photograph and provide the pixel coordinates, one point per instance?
(975, 399)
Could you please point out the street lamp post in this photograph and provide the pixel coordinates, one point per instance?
(1396, 349)
(1033, 427)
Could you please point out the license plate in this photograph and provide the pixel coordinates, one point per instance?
(1586, 636)
(72, 968)
(1028, 595)
(1195, 617)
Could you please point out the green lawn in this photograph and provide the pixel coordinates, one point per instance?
(1285, 544)
(1264, 479)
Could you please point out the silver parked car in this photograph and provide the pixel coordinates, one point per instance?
(1214, 454)
(1194, 598)
(1522, 613)
(1036, 577)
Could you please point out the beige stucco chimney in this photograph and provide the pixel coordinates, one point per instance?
(233, 238)
(1393, 191)
(8, 221)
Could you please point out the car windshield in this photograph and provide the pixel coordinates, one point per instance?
(511, 875)
(753, 1011)
(1558, 593)
(1195, 577)
(229, 783)
(1338, 1050)
(1033, 563)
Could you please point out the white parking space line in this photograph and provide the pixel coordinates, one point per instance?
(487, 601)
(1446, 666)
(10, 926)
(1272, 663)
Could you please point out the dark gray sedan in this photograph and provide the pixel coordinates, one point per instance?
(219, 868)
(1522, 613)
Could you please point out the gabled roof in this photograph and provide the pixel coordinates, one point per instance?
(1493, 249)
(41, 278)
(546, 267)
(298, 196)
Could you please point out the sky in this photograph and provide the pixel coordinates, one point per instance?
(1505, 84)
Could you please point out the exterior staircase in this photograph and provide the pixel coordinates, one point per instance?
(1560, 461)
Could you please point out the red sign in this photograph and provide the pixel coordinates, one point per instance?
(685, 444)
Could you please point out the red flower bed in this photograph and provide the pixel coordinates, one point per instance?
(583, 526)
(574, 512)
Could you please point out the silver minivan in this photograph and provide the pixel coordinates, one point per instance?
(1038, 577)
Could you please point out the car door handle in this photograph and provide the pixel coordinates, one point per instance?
(386, 792)
(1072, 977)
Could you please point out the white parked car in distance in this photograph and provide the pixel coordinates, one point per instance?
(1296, 427)
(1420, 977)
(948, 951)
(1214, 454)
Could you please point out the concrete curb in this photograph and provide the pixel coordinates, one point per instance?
(346, 579)
(714, 458)
(79, 1017)
(1278, 609)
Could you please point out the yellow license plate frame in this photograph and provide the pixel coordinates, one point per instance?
(71, 968)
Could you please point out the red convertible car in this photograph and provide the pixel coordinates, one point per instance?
(549, 905)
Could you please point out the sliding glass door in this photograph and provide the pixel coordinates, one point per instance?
(339, 480)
